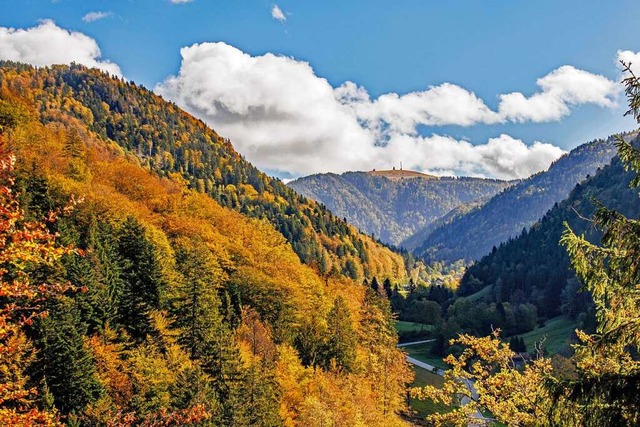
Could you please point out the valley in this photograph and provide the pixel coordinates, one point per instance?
(250, 214)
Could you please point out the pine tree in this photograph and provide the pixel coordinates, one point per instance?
(195, 304)
(25, 247)
(142, 279)
(387, 288)
(605, 393)
(63, 363)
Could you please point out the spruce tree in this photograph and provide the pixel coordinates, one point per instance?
(195, 304)
(63, 364)
(142, 279)
(606, 390)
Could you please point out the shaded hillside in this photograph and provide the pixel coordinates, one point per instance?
(533, 267)
(472, 235)
(155, 304)
(393, 209)
(169, 141)
(415, 240)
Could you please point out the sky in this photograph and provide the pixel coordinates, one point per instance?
(495, 88)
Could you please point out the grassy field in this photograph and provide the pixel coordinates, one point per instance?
(422, 352)
(426, 407)
(480, 294)
(557, 331)
(402, 326)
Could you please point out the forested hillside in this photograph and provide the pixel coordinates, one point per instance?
(167, 140)
(534, 267)
(150, 276)
(393, 209)
(473, 235)
(412, 242)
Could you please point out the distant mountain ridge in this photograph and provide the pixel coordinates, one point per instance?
(392, 205)
(472, 235)
(534, 267)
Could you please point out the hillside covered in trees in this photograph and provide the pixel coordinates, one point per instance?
(150, 276)
(393, 209)
(472, 235)
(167, 140)
(534, 267)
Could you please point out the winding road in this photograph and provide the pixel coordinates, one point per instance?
(465, 400)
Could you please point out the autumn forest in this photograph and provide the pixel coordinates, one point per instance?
(150, 275)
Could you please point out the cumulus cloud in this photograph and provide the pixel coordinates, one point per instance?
(48, 44)
(445, 104)
(277, 13)
(629, 57)
(96, 16)
(562, 88)
(502, 157)
(283, 117)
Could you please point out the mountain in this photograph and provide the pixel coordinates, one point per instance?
(151, 276)
(472, 235)
(169, 141)
(412, 242)
(534, 267)
(392, 205)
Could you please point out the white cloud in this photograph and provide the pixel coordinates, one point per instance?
(283, 117)
(562, 88)
(96, 16)
(449, 104)
(48, 44)
(180, 1)
(439, 105)
(630, 57)
(502, 157)
(277, 13)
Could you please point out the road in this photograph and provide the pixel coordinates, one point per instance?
(470, 385)
(405, 344)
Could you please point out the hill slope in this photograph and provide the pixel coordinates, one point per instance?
(533, 267)
(393, 205)
(182, 311)
(472, 235)
(169, 141)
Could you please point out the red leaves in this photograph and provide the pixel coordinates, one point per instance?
(24, 246)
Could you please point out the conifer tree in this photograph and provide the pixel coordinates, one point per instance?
(142, 279)
(387, 288)
(195, 303)
(62, 361)
(605, 393)
(25, 246)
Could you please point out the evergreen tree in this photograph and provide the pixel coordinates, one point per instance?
(386, 286)
(142, 279)
(195, 304)
(375, 285)
(605, 391)
(63, 364)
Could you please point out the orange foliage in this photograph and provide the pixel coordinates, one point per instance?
(24, 245)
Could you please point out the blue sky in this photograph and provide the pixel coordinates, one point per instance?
(486, 47)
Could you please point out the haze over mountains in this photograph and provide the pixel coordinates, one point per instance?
(392, 205)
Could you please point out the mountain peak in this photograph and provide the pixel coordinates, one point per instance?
(398, 174)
